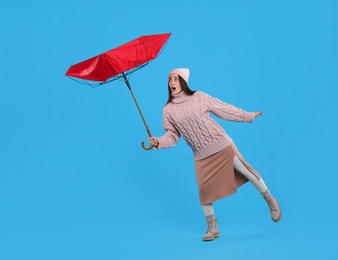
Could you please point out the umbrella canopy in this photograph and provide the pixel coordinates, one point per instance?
(124, 59)
(119, 62)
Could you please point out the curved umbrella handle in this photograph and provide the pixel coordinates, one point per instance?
(147, 148)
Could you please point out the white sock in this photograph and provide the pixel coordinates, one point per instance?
(208, 209)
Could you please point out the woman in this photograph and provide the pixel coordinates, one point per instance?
(220, 168)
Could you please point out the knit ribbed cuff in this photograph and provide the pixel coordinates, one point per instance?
(249, 117)
(164, 142)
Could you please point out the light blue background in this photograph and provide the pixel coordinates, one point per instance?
(74, 180)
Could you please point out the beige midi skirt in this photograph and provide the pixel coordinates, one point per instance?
(216, 176)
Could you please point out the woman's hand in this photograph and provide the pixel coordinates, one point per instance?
(153, 141)
(259, 113)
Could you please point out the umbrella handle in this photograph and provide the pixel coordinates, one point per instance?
(149, 134)
(147, 148)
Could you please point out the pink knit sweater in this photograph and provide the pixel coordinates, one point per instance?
(189, 116)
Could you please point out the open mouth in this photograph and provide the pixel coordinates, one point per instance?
(173, 89)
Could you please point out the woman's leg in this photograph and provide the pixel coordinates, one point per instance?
(259, 184)
(212, 231)
(276, 213)
(208, 209)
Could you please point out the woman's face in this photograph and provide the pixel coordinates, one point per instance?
(174, 84)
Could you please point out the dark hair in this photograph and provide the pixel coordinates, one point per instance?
(184, 86)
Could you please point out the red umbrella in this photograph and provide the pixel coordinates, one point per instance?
(119, 62)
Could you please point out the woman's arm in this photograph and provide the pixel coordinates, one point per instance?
(169, 139)
(227, 111)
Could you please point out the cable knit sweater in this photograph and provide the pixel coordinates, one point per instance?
(189, 116)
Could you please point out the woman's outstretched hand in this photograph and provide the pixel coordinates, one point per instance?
(259, 113)
(153, 141)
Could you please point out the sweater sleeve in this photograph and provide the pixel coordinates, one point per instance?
(172, 135)
(227, 111)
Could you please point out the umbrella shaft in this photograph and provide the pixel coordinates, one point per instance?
(138, 107)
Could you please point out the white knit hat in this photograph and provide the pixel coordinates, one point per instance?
(183, 72)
